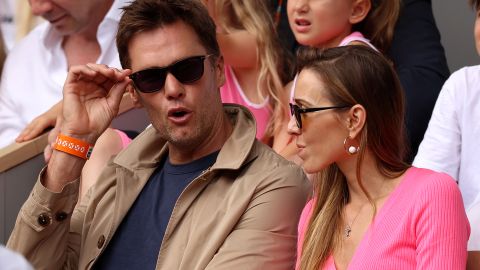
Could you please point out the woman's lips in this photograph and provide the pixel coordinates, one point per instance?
(300, 150)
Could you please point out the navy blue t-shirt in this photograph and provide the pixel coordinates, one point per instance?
(136, 243)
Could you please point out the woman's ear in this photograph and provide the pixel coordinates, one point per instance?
(134, 96)
(356, 119)
(360, 10)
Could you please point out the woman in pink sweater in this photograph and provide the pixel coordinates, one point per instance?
(370, 210)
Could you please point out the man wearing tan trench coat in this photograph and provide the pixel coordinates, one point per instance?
(239, 212)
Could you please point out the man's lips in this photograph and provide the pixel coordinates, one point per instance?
(57, 19)
(179, 115)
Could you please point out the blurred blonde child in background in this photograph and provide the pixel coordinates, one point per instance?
(332, 23)
(255, 65)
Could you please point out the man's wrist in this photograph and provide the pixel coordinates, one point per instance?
(90, 138)
(73, 146)
(62, 169)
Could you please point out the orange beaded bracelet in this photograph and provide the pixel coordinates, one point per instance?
(73, 146)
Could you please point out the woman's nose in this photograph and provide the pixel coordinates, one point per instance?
(293, 128)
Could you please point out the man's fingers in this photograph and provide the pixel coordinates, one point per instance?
(47, 152)
(82, 72)
(21, 137)
(52, 135)
(31, 131)
(25, 135)
(103, 76)
(97, 73)
(34, 132)
(111, 73)
(116, 94)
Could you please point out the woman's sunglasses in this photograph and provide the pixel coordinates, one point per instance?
(297, 111)
(186, 71)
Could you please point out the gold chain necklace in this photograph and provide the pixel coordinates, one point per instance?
(348, 227)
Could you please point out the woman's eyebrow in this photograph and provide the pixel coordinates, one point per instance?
(300, 101)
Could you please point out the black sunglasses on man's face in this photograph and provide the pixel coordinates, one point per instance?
(297, 111)
(188, 70)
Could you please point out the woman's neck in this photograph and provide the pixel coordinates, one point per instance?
(376, 184)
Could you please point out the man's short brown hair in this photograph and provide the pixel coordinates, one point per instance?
(475, 4)
(146, 15)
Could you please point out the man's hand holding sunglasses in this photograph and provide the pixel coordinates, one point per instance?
(91, 98)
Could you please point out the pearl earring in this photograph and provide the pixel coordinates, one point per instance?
(351, 150)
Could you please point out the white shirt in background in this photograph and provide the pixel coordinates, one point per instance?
(10, 260)
(7, 22)
(473, 214)
(451, 142)
(36, 69)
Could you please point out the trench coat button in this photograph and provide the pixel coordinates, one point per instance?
(44, 219)
(101, 241)
(61, 216)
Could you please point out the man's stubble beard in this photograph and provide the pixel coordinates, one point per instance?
(197, 135)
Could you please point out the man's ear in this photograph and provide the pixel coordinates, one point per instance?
(134, 96)
(360, 10)
(219, 71)
(356, 119)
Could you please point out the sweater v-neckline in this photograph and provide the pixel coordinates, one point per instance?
(377, 221)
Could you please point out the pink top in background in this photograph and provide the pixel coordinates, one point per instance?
(356, 37)
(422, 225)
(232, 92)
(125, 139)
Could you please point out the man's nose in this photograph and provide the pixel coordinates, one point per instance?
(40, 7)
(173, 88)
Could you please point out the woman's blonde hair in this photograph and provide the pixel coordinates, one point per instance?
(380, 22)
(255, 17)
(353, 75)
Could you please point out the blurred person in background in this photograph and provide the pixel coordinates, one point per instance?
(2, 54)
(450, 144)
(10, 260)
(75, 32)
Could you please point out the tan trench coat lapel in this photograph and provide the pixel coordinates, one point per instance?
(139, 161)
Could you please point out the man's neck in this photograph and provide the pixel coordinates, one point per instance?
(89, 50)
(85, 40)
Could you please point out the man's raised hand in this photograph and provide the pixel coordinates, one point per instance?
(91, 96)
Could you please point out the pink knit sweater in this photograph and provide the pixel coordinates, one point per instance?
(422, 225)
